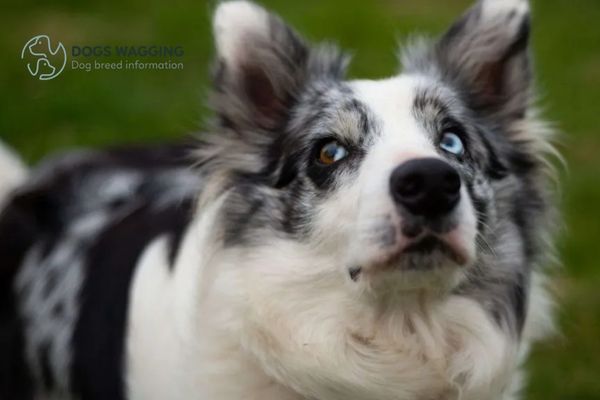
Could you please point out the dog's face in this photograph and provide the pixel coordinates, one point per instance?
(402, 183)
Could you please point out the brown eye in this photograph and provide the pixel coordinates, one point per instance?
(332, 152)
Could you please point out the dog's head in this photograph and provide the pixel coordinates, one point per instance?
(401, 183)
(352, 212)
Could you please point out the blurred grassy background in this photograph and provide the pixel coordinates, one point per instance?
(99, 108)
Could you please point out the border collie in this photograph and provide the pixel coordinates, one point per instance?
(330, 239)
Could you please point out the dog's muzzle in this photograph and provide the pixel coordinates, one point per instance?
(430, 234)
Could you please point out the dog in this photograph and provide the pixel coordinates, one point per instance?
(328, 239)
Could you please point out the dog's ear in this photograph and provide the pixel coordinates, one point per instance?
(485, 54)
(261, 65)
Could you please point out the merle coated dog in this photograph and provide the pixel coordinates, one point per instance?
(329, 239)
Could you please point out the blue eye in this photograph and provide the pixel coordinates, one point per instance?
(332, 152)
(452, 144)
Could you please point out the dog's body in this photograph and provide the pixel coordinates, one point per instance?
(337, 240)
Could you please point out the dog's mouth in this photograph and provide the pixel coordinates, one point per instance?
(429, 247)
(427, 253)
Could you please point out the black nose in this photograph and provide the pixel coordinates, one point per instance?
(426, 186)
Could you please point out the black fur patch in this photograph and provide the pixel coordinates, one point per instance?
(18, 230)
(47, 374)
(99, 338)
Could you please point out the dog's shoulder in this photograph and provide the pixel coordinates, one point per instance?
(70, 239)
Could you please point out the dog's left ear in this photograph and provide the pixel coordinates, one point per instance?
(261, 65)
(485, 54)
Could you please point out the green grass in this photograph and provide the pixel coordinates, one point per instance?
(101, 108)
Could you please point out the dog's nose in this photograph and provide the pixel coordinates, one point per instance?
(427, 187)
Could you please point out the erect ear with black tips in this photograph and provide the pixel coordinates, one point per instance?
(486, 54)
(261, 66)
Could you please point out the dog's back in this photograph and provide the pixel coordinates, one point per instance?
(70, 236)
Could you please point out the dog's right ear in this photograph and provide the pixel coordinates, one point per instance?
(261, 65)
